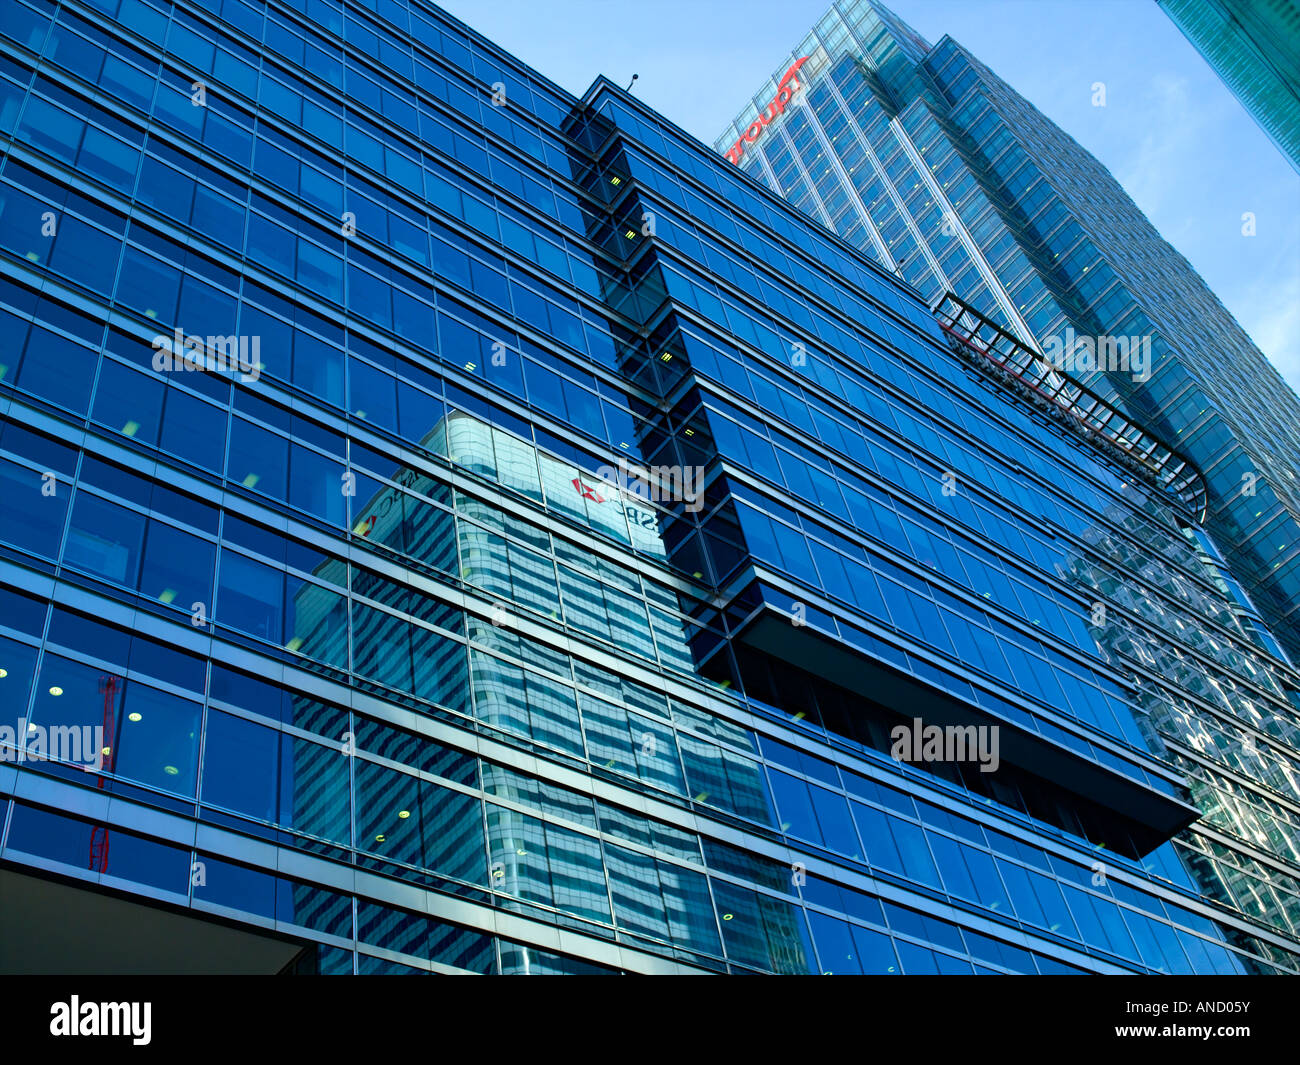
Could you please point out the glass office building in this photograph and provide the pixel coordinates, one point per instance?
(453, 526)
(931, 164)
(1254, 46)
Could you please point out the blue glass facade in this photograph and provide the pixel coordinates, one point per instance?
(388, 662)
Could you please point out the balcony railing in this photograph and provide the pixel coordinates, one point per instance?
(984, 344)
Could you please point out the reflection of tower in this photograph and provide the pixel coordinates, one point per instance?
(1172, 655)
(108, 685)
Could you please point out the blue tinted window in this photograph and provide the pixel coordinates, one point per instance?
(158, 739)
(239, 765)
(128, 402)
(33, 520)
(85, 254)
(105, 539)
(259, 459)
(194, 430)
(148, 286)
(249, 596)
(58, 370)
(177, 567)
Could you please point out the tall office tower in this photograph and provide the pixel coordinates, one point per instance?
(1254, 46)
(455, 526)
(928, 162)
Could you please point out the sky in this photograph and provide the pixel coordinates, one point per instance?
(1171, 132)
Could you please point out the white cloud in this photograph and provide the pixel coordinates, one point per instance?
(1271, 315)
(1172, 128)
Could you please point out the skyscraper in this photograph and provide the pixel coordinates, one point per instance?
(927, 161)
(1254, 46)
(468, 528)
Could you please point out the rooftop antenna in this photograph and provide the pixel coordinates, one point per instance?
(631, 83)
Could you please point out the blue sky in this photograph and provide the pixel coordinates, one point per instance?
(1171, 132)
